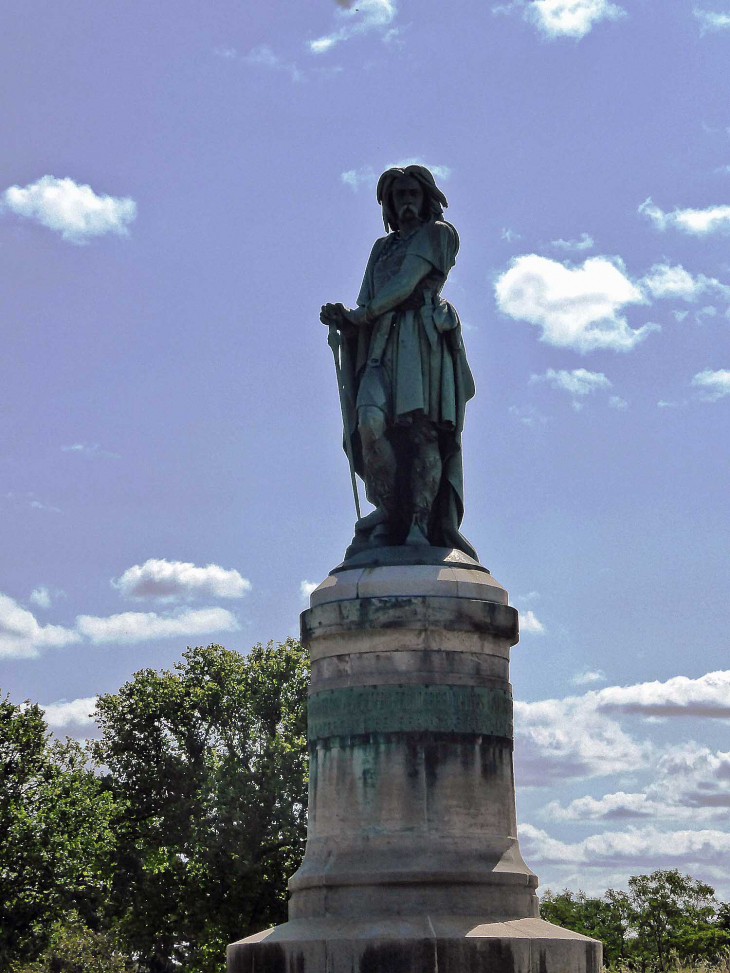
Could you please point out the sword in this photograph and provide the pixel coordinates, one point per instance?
(339, 348)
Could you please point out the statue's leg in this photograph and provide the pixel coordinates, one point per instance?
(379, 459)
(425, 477)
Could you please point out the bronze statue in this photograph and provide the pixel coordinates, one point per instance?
(403, 375)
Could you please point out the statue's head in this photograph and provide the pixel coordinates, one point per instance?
(410, 186)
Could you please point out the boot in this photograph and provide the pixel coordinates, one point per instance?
(418, 533)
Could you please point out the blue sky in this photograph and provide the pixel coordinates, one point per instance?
(184, 184)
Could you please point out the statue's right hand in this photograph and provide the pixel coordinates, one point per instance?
(332, 314)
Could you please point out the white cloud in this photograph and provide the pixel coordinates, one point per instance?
(90, 449)
(528, 416)
(367, 177)
(580, 737)
(693, 776)
(530, 623)
(75, 211)
(559, 739)
(710, 21)
(27, 498)
(264, 56)
(641, 847)
(576, 307)
(585, 242)
(41, 597)
(697, 222)
(63, 713)
(612, 807)
(713, 385)
(130, 627)
(306, 588)
(616, 402)
(509, 235)
(709, 311)
(438, 172)
(366, 16)
(530, 596)
(393, 36)
(588, 676)
(169, 581)
(21, 637)
(566, 18)
(664, 280)
(709, 695)
(355, 178)
(578, 382)
(691, 783)
(37, 505)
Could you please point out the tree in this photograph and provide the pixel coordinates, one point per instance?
(56, 833)
(211, 760)
(75, 948)
(663, 916)
(671, 912)
(606, 919)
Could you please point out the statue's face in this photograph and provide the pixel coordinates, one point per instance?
(407, 198)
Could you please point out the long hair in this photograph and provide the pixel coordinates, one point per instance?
(434, 200)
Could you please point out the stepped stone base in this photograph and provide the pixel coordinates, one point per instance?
(428, 944)
(412, 863)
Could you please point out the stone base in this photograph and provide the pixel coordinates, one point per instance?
(428, 944)
(412, 862)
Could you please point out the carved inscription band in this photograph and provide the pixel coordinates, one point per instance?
(391, 709)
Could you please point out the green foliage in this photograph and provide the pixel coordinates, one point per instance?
(56, 832)
(673, 913)
(152, 848)
(663, 919)
(74, 948)
(211, 760)
(607, 919)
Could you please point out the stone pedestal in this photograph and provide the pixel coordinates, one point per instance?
(412, 862)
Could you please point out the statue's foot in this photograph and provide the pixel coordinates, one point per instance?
(416, 536)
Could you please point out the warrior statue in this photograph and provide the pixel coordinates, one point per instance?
(403, 374)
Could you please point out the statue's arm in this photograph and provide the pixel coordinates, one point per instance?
(397, 289)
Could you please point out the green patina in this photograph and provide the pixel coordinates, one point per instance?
(410, 708)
